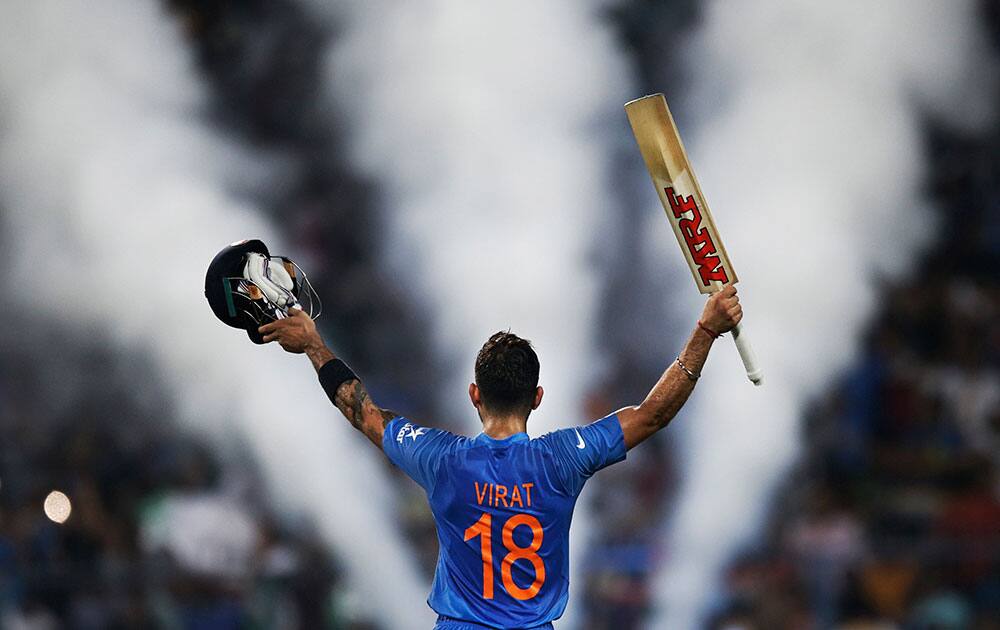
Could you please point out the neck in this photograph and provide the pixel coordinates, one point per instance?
(500, 427)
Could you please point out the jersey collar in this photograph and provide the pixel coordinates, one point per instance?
(482, 438)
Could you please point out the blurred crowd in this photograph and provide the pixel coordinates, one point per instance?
(163, 532)
(891, 518)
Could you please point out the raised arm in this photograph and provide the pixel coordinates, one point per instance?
(297, 334)
(722, 312)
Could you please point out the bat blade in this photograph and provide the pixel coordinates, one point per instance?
(679, 192)
(676, 185)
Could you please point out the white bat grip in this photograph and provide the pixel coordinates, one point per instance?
(754, 373)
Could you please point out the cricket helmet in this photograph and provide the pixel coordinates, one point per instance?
(247, 287)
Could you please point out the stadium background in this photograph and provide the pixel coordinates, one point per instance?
(886, 510)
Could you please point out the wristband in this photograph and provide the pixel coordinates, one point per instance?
(332, 375)
(711, 333)
(691, 375)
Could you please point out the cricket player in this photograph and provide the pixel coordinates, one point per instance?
(502, 501)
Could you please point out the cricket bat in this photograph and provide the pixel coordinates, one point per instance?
(686, 209)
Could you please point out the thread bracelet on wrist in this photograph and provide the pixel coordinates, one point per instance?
(711, 333)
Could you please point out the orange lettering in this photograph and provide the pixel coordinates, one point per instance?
(515, 497)
(502, 496)
(482, 527)
(480, 496)
(527, 491)
(529, 553)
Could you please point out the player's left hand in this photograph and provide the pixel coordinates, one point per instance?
(295, 333)
(722, 311)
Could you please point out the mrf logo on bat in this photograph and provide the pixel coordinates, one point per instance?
(696, 238)
(685, 207)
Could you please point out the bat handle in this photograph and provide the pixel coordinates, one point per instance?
(754, 373)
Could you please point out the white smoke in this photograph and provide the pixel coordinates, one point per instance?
(807, 144)
(481, 123)
(115, 197)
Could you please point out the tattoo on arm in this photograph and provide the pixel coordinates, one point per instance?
(350, 396)
(387, 416)
(364, 415)
(353, 400)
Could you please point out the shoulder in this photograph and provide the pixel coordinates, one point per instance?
(553, 439)
(403, 432)
(581, 451)
(419, 450)
(579, 437)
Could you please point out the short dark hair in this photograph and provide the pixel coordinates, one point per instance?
(507, 373)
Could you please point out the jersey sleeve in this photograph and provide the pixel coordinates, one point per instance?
(582, 451)
(415, 449)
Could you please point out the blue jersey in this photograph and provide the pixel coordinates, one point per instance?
(502, 510)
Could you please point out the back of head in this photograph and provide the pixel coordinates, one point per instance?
(507, 374)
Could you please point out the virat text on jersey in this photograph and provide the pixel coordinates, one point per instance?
(502, 508)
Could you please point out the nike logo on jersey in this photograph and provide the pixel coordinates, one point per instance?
(580, 443)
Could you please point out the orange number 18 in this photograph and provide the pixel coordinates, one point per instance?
(483, 528)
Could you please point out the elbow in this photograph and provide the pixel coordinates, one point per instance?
(655, 417)
(646, 417)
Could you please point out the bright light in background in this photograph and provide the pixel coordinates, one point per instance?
(808, 148)
(116, 196)
(57, 507)
(482, 123)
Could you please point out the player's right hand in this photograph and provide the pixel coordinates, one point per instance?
(722, 311)
(296, 333)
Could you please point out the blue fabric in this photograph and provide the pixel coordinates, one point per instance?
(521, 493)
(447, 623)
